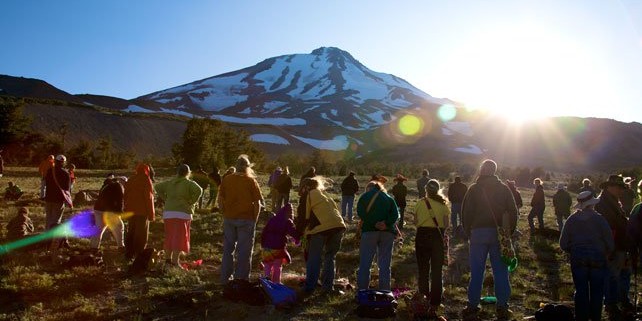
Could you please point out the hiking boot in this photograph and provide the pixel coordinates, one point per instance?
(613, 312)
(470, 314)
(504, 314)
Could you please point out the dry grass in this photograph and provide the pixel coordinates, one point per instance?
(32, 287)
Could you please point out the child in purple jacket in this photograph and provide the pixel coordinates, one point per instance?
(273, 242)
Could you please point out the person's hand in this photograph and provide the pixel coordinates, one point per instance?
(381, 225)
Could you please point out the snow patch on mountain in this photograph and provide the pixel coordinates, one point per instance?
(269, 138)
(137, 109)
(470, 149)
(337, 143)
(341, 124)
(452, 127)
(177, 112)
(261, 121)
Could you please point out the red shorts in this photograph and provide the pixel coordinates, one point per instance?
(177, 234)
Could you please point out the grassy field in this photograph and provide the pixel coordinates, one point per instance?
(33, 287)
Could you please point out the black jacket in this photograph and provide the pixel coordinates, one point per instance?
(456, 192)
(610, 208)
(488, 196)
(110, 198)
(349, 186)
(53, 193)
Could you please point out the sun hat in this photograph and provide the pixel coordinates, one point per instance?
(585, 199)
(614, 180)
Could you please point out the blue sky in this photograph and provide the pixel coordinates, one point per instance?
(518, 58)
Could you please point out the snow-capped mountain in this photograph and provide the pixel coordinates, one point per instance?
(327, 87)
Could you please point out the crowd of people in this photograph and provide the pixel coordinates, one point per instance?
(602, 236)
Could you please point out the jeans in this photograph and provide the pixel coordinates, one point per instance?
(347, 203)
(109, 220)
(455, 211)
(238, 238)
(561, 216)
(539, 212)
(380, 243)
(429, 248)
(484, 244)
(589, 277)
(53, 213)
(616, 282)
(322, 247)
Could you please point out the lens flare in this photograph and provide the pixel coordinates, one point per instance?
(410, 125)
(80, 225)
(447, 112)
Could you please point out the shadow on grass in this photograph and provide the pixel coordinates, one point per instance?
(544, 244)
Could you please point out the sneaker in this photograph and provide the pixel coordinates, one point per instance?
(504, 314)
(470, 314)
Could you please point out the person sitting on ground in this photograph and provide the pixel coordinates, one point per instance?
(587, 237)
(273, 242)
(13, 192)
(20, 226)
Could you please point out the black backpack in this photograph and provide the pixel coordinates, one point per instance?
(376, 304)
(554, 312)
(239, 290)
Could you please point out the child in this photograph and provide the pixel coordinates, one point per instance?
(273, 242)
(20, 226)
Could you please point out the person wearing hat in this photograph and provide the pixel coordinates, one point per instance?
(587, 237)
(487, 204)
(107, 211)
(628, 197)
(587, 186)
(456, 192)
(349, 188)
(181, 196)
(44, 166)
(57, 193)
(617, 286)
(562, 202)
(399, 191)
(634, 231)
(431, 219)
(239, 199)
(538, 205)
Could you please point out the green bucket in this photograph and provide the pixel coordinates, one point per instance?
(511, 263)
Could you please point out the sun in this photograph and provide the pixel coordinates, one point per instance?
(526, 71)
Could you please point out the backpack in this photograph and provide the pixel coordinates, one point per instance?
(143, 261)
(376, 304)
(554, 312)
(280, 295)
(244, 291)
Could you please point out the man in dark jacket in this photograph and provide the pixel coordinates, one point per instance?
(488, 204)
(538, 205)
(349, 188)
(562, 201)
(422, 182)
(616, 292)
(628, 197)
(456, 193)
(57, 193)
(107, 211)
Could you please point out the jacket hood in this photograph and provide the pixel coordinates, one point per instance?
(142, 169)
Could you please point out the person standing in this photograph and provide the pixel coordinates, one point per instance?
(421, 183)
(312, 172)
(628, 197)
(56, 189)
(201, 178)
(399, 192)
(587, 237)
(587, 186)
(324, 229)
(538, 205)
(274, 237)
(431, 219)
(379, 214)
(517, 196)
(617, 286)
(139, 200)
(72, 176)
(107, 211)
(43, 168)
(456, 193)
(239, 199)
(215, 182)
(349, 188)
(562, 203)
(181, 196)
(282, 187)
(274, 195)
(487, 204)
